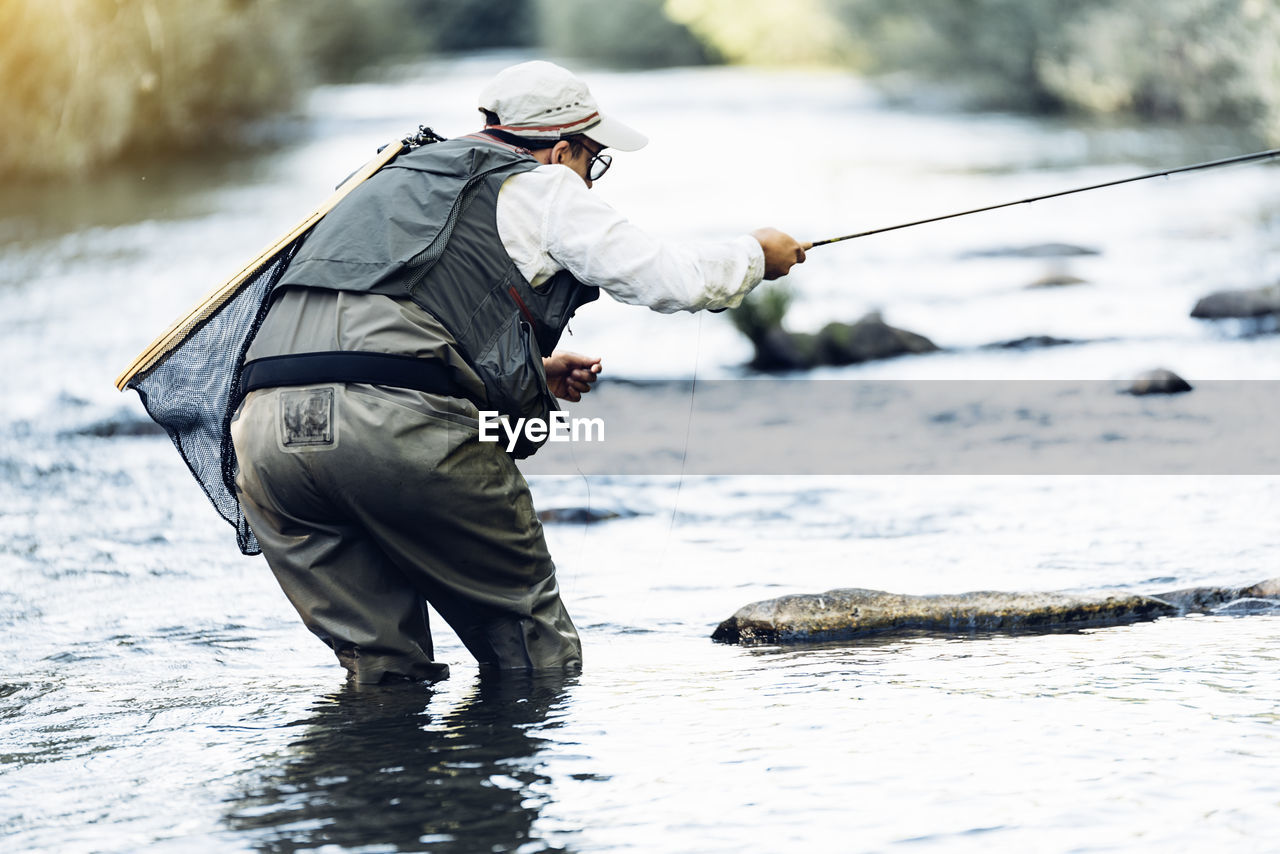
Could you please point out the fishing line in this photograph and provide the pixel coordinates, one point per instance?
(586, 521)
(1164, 173)
(688, 431)
(1210, 164)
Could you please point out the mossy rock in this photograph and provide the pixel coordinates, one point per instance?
(779, 350)
(868, 339)
(850, 613)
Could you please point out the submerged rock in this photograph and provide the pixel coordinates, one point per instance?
(1212, 600)
(760, 318)
(779, 350)
(1031, 342)
(123, 422)
(855, 612)
(1057, 280)
(577, 515)
(1035, 250)
(836, 344)
(868, 339)
(1257, 302)
(1159, 381)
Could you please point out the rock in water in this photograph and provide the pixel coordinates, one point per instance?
(1209, 600)
(124, 422)
(576, 515)
(836, 344)
(1037, 250)
(1257, 302)
(870, 338)
(1031, 342)
(842, 614)
(1159, 381)
(1057, 280)
(850, 613)
(779, 350)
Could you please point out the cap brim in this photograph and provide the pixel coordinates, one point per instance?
(612, 133)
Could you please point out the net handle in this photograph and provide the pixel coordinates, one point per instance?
(182, 328)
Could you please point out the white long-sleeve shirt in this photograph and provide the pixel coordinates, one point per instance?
(548, 220)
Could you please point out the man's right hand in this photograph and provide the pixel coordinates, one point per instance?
(781, 251)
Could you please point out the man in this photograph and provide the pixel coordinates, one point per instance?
(427, 294)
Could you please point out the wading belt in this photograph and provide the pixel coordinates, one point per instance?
(349, 366)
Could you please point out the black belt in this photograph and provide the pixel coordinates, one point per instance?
(349, 366)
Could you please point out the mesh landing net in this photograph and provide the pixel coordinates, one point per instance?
(193, 391)
(189, 377)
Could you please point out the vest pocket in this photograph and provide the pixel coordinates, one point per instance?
(307, 419)
(511, 368)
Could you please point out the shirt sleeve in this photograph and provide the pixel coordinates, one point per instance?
(549, 221)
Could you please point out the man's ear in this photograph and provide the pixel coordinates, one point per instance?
(560, 152)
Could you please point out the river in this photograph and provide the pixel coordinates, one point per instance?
(159, 694)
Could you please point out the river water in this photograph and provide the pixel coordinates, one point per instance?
(158, 693)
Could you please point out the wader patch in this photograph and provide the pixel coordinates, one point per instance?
(306, 419)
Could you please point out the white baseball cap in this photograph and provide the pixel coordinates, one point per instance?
(541, 100)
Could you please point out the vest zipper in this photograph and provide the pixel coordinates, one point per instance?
(446, 230)
(524, 309)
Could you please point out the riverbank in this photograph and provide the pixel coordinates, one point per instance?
(89, 84)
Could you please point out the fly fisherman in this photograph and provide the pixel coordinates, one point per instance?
(427, 294)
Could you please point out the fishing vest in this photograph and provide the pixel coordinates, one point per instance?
(425, 227)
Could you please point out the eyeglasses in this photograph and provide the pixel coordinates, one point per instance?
(598, 165)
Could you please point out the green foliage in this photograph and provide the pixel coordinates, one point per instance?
(83, 80)
(86, 82)
(1203, 60)
(766, 32)
(624, 33)
(457, 25)
(993, 46)
(1215, 60)
(762, 311)
(340, 38)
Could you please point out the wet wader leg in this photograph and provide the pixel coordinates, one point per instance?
(352, 598)
(456, 516)
(345, 589)
(499, 639)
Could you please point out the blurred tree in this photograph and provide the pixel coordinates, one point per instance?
(476, 24)
(1207, 60)
(1202, 60)
(763, 310)
(766, 32)
(341, 38)
(626, 33)
(85, 82)
(994, 47)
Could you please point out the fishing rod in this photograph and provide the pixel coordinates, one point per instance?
(1211, 164)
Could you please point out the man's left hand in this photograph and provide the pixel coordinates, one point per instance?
(569, 376)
